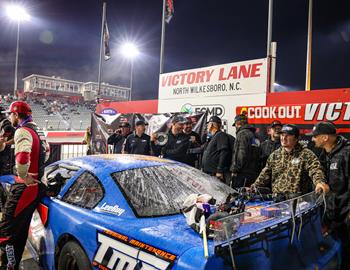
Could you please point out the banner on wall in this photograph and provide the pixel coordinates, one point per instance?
(302, 115)
(240, 78)
(102, 127)
(223, 107)
(336, 112)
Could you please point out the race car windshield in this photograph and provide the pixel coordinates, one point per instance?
(161, 190)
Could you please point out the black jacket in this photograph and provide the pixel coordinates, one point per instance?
(194, 149)
(267, 147)
(176, 148)
(246, 153)
(216, 156)
(138, 145)
(7, 157)
(337, 171)
(117, 140)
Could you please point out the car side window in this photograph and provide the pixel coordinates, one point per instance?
(64, 171)
(86, 191)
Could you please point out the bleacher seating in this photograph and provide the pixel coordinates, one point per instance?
(51, 114)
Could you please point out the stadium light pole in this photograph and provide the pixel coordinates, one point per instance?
(130, 51)
(309, 49)
(18, 14)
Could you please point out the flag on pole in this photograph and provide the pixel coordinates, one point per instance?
(107, 53)
(169, 10)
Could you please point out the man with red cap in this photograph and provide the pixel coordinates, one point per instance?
(31, 152)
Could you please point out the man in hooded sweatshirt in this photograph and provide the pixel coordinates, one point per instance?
(335, 158)
(245, 166)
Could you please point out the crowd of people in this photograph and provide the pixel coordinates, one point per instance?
(280, 163)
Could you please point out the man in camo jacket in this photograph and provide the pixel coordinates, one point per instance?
(289, 168)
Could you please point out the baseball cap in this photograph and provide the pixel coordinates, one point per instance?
(188, 121)
(140, 122)
(124, 124)
(290, 129)
(19, 107)
(239, 117)
(276, 123)
(179, 119)
(215, 119)
(323, 128)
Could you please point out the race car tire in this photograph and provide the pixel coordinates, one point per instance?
(73, 257)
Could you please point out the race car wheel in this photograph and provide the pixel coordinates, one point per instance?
(73, 257)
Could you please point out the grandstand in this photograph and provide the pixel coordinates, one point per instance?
(64, 105)
(50, 114)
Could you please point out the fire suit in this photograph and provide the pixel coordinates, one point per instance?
(31, 152)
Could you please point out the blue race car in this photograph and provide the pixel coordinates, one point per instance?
(123, 212)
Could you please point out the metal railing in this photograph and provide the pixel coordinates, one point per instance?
(59, 151)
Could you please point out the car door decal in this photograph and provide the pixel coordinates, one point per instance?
(117, 252)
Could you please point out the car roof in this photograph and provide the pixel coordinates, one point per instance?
(109, 163)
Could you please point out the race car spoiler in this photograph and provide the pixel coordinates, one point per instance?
(263, 223)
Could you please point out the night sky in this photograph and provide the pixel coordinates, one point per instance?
(63, 37)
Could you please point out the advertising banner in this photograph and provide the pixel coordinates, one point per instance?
(234, 79)
(224, 107)
(302, 115)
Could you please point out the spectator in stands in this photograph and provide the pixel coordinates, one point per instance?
(335, 158)
(216, 156)
(138, 142)
(119, 136)
(290, 167)
(272, 143)
(245, 166)
(177, 142)
(195, 143)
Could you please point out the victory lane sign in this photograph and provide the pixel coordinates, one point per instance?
(241, 78)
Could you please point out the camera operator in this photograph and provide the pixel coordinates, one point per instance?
(119, 136)
(177, 142)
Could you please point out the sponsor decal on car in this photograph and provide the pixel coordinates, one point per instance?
(113, 209)
(118, 251)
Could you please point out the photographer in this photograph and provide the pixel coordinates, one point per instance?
(119, 136)
(177, 143)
